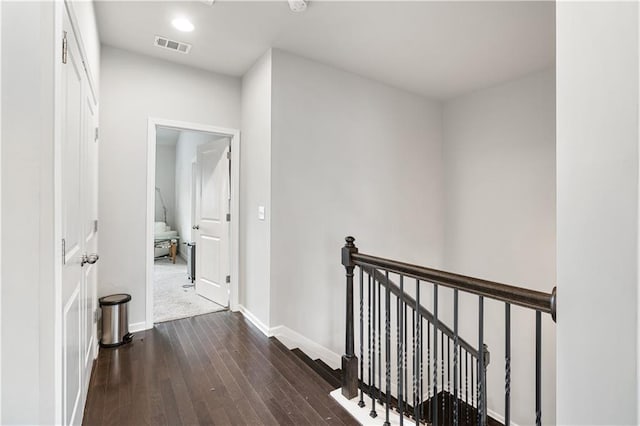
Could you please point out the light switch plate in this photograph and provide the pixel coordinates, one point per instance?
(261, 212)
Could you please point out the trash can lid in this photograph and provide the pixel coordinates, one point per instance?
(114, 299)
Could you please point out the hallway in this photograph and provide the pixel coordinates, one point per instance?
(210, 369)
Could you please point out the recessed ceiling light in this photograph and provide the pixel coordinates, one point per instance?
(183, 24)
(298, 5)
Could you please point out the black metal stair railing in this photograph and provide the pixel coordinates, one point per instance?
(450, 388)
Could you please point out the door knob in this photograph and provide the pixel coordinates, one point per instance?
(89, 258)
(195, 227)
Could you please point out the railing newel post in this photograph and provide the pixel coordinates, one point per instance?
(349, 359)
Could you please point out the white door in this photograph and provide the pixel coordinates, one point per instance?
(78, 210)
(212, 225)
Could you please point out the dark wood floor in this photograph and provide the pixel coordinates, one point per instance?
(210, 369)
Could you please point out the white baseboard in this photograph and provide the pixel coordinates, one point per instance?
(264, 328)
(498, 417)
(292, 339)
(138, 326)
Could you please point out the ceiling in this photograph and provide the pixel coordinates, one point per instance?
(437, 49)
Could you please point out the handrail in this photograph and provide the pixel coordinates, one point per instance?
(532, 299)
(410, 301)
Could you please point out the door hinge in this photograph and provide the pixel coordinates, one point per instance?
(96, 313)
(64, 252)
(228, 279)
(64, 47)
(228, 155)
(228, 217)
(95, 139)
(95, 225)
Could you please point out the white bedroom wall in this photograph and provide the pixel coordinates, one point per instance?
(134, 88)
(28, 227)
(166, 182)
(255, 190)
(499, 162)
(350, 156)
(597, 165)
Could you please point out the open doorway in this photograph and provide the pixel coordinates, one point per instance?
(191, 232)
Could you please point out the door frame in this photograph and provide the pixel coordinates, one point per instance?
(234, 248)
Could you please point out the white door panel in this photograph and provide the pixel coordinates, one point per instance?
(212, 206)
(71, 357)
(89, 215)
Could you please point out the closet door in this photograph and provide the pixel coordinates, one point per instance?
(78, 210)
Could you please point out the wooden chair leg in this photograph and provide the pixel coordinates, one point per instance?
(173, 251)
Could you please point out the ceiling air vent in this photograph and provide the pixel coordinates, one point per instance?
(176, 46)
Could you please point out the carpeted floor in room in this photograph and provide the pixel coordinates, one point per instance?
(171, 300)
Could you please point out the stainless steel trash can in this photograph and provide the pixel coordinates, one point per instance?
(191, 261)
(115, 320)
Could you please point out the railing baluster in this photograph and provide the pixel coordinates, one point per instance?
(372, 350)
(538, 368)
(507, 364)
(400, 354)
(473, 387)
(442, 376)
(434, 406)
(448, 379)
(387, 346)
(379, 346)
(414, 381)
(481, 378)
(466, 384)
(417, 367)
(421, 402)
(459, 396)
(478, 395)
(406, 355)
(455, 357)
(429, 411)
(361, 402)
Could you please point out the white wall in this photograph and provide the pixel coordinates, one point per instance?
(166, 182)
(186, 152)
(133, 88)
(350, 156)
(499, 162)
(0, 210)
(597, 166)
(255, 190)
(28, 252)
